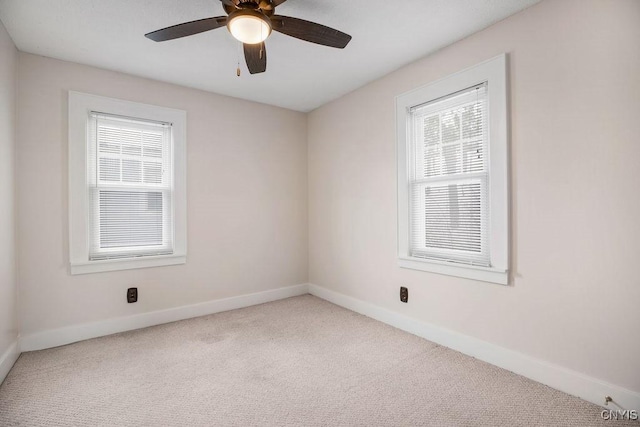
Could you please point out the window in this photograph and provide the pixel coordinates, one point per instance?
(127, 188)
(452, 175)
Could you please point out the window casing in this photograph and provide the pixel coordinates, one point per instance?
(452, 175)
(127, 185)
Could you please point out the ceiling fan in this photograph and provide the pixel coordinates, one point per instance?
(251, 22)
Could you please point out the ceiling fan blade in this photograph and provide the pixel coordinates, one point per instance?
(277, 2)
(310, 31)
(256, 57)
(187, 29)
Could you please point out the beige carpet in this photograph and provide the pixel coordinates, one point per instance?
(300, 361)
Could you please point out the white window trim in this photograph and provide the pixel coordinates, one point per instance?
(493, 72)
(80, 106)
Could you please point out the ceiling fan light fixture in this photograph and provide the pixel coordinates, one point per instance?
(249, 26)
(251, 22)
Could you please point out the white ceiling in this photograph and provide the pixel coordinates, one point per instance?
(301, 76)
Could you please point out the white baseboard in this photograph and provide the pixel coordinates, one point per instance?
(8, 359)
(558, 377)
(70, 334)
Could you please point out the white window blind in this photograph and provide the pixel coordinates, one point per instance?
(130, 186)
(449, 178)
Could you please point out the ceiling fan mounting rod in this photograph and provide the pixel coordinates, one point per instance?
(249, 5)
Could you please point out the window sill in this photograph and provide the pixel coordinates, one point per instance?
(126, 264)
(483, 274)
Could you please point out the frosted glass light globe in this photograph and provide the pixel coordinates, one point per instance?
(249, 28)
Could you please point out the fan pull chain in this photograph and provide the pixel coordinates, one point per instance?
(238, 58)
(262, 44)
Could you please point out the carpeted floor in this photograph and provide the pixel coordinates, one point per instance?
(300, 361)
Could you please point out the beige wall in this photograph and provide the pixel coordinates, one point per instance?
(575, 101)
(575, 152)
(8, 311)
(247, 199)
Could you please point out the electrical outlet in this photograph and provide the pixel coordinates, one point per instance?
(132, 295)
(404, 294)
